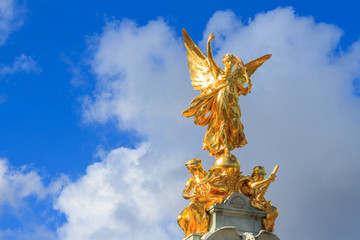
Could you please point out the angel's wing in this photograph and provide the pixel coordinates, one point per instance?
(251, 67)
(254, 64)
(201, 73)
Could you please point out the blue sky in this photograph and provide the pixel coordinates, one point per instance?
(55, 34)
(77, 116)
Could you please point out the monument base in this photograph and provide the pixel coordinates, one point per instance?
(230, 233)
(235, 219)
(193, 236)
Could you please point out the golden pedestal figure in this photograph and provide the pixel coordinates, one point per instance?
(217, 106)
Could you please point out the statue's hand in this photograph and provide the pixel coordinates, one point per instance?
(272, 177)
(211, 37)
(247, 89)
(249, 86)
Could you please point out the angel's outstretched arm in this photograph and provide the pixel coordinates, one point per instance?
(241, 72)
(213, 64)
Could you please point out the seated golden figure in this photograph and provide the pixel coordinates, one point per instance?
(203, 190)
(255, 189)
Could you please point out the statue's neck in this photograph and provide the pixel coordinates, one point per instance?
(199, 174)
(227, 71)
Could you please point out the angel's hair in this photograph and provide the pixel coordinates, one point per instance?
(229, 57)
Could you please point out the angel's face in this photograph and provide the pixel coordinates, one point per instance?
(228, 61)
(228, 64)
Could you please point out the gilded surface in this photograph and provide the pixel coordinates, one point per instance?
(217, 106)
(203, 190)
(258, 186)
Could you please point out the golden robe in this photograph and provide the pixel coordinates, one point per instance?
(219, 109)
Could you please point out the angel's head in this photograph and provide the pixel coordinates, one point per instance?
(229, 60)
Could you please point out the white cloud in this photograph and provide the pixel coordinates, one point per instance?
(19, 187)
(22, 63)
(115, 196)
(16, 185)
(38, 233)
(126, 188)
(301, 114)
(10, 18)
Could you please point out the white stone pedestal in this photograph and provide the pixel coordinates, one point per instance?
(193, 236)
(235, 219)
(236, 211)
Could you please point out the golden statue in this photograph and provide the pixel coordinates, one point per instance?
(218, 107)
(257, 187)
(207, 188)
(218, 104)
(203, 190)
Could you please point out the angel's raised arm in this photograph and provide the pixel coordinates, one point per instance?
(212, 62)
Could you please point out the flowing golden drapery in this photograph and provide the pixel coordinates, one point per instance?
(218, 104)
(220, 110)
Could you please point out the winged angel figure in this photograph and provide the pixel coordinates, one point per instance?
(218, 104)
